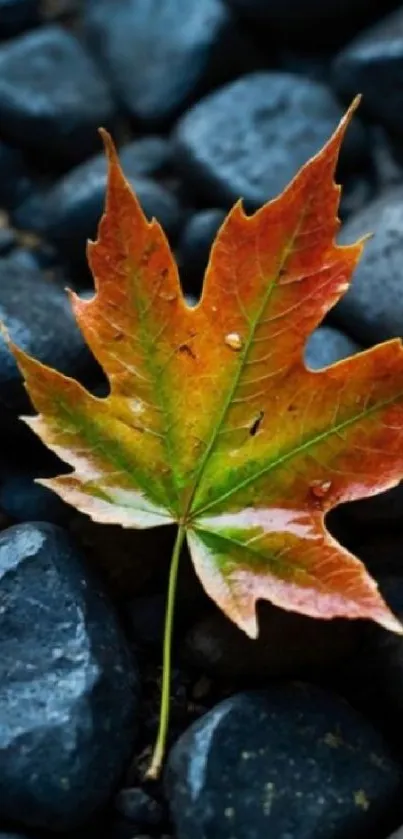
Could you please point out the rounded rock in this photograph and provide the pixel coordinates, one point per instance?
(158, 54)
(372, 309)
(68, 215)
(69, 683)
(373, 64)
(290, 761)
(328, 345)
(248, 139)
(52, 96)
(37, 315)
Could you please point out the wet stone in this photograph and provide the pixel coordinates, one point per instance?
(248, 139)
(48, 332)
(158, 54)
(138, 807)
(328, 345)
(69, 683)
(52, 96)
(69, 213)
(195, 244)
(292, 761)
(372, 309)
(373, 64)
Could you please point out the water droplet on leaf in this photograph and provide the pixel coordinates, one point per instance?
(234, 341)
(320, 488)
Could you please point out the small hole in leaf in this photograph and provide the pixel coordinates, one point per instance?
(186, 350)
(256, 424)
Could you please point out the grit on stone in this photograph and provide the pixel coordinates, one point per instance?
(293, 761)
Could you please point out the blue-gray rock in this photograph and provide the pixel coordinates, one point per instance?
(68, 214)
(328, 345)
(38, 317)
(373, 65)
(17, 15)
(158, 54)
(8, 240)
(293, 761)
(195, 245)
(372, 309)
(52, 96)
(248, 139)
(69, 684)
(138, 807)
(310, 22)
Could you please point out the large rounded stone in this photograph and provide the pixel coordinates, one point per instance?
(68, 683)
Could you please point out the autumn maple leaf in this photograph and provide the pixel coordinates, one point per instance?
(213, 420)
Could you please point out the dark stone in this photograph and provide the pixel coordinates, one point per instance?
(38, 317)
(293, 761)
(248, 139)
(69, 684)
(195, 245)
(372, 309)
(17, 15)
(357, 190)
(52, 97)
(23, 500)
(159, 54)
(387, 159)
(308, 647)
(310, 22)
(328, 345)
(69, 213)
(139, 807)
(8, 240)
(373, 65)
(15, 180)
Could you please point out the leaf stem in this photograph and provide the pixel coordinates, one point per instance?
(159, 748)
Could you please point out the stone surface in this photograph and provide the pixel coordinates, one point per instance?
(249, 138)
(52, 97)
(373, 64)
(69, 684)
(195, 244)
(37, 315)
(69, 213)
(159, 54)
(307, 648)
(372, 309)
(328, 345)
(293, 761)
(139, 807)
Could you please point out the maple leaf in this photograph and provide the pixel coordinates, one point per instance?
(213, 420)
